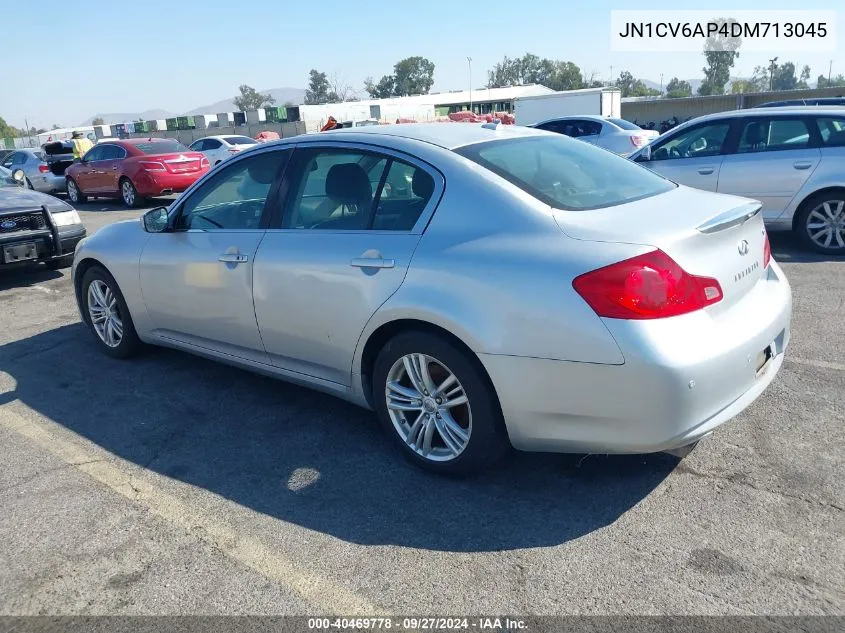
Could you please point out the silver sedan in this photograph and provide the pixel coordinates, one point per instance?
(479, 287)
(37, 172)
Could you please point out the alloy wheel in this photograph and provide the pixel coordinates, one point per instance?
(72, 191)
(104, 312)
(826, 224)
(128, 192)
(428, 407)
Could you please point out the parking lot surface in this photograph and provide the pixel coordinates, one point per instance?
(171, 484)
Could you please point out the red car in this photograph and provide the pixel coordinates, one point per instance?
(134, 169)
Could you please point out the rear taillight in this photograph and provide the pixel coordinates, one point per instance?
(43, 168)
(152, 165)
(767, 250)
(637, 140)
(649, 286)
(204, 162)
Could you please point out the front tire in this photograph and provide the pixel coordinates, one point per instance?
(129, 194)
(74, 193)
(107, 315)
(438, 405)
(821, 223)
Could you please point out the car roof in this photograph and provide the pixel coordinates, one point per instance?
(577, 117)
(770, 112)
(449, 135)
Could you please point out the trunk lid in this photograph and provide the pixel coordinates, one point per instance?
(707, 234)
(178, 162)
(58, 155)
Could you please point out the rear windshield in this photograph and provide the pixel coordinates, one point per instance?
(625, 125)
(161, 147)
(239, 140)
(565, 173)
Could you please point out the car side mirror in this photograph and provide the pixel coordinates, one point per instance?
(645, 155)
(19, 177)
(156, 220)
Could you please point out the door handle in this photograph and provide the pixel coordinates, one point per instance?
(232, 258)
(372, 262)
(802, 164)
(705, 171)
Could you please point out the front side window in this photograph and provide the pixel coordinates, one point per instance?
(567, 175)
(95, 153)
(235, 197)
(239, 140)
(112, 152)
(832, 130)
(695, 142)
(357, 190)
(211, 143)
(769, 135)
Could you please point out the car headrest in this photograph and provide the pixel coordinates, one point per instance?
(422, 184)
(348, 183)
(755, 133)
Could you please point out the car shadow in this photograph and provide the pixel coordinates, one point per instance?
(311, 459)
(25, 274)
(787, 249)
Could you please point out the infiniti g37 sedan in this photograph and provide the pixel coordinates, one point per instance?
(479, 287)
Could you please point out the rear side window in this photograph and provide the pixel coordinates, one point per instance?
(770, 135)
(239, 140)
(832, 130)
(625, 125)
(567, 175)
(355, 191)
(161, 147)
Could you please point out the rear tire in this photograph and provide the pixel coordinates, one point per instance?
(129, 194)
(821, 217)
(103, 303)
(461, 438)
(74, 193)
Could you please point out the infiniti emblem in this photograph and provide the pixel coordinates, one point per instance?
(742, 247)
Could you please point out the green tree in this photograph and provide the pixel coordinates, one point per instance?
(383, 89)
(531, 69)
(720, 54)
(677, 88)
(783, 77)
(7, 131)
(251, 99)
(633, 87)
(97, 120)
(318, 88)
(822, 82)
(414, 76)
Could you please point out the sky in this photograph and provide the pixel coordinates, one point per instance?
(100, 56)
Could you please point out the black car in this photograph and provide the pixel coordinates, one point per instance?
(35, 227)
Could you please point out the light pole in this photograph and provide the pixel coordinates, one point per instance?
(661, 83)
(611, 74)
(829, 69)
(772, 66)
(469, 61)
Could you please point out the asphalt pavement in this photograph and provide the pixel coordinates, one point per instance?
(171, 484)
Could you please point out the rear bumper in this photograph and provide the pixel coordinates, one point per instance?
(49, 183)
(159, 183)
(682, 378)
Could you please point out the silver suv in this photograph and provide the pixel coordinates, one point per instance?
(790, 159)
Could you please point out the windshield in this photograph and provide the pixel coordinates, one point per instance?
(625, 125)
(239, 140)
(567, 174)
(167, 146)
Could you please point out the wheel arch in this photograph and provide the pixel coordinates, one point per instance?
(82, 267)
(386, 331)
(799, 208)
